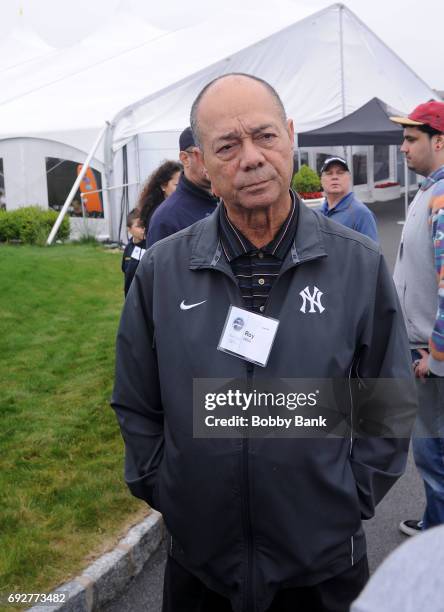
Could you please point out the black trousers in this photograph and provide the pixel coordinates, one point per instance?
(183, 592)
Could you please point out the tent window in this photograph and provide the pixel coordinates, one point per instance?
(359, 168)
(60, 177)
(381, 163)
(304, 161)
(2, 186)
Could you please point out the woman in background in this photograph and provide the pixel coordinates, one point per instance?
(161, 184)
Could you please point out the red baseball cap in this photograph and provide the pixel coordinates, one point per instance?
(430, 113)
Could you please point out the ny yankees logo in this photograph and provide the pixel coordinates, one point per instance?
(314, 299)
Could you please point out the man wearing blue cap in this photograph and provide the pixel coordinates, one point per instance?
(341, 204)
(192, 199)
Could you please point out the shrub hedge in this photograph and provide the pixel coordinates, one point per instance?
(30, 225)
(306, 180)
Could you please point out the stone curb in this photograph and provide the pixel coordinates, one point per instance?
(106, 578)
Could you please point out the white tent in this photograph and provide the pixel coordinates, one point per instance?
(143, 81)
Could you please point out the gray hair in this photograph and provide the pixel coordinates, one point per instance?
(194, 123)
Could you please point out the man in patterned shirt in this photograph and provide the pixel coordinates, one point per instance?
(419, 279)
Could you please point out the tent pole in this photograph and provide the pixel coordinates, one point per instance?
(109, 177)
(75, 187)
(341, 50)
(298, 149)
(138, 158)
(349, 158)
(371, 172)
(406, 188)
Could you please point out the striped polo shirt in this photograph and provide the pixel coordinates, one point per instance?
(257, 269)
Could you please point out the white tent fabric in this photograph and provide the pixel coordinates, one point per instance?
(68, 96)
(143, 79)
(125, 60)
(317, 66)
(21, 45)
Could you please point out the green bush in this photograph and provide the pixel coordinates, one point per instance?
(30, 225)
(306, 180)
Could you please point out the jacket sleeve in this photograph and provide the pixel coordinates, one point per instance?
(437, 220)
(384, 397)
(136, 396)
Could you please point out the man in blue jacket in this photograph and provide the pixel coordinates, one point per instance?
(192, 199)
(341, 204)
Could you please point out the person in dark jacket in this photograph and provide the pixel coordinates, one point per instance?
(262, 292)
(341, 204)
(135, 248)
(192, 199)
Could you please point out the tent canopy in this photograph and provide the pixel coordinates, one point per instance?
(368, 125)
(320, 81)
(80, 87)
(128, 63)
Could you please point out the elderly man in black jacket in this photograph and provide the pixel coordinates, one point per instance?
(261, 292)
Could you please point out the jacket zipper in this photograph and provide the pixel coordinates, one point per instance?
(248, 601)
(248, 598)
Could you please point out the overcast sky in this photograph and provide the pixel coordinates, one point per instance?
(401, 24)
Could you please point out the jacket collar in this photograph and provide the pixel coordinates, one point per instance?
(206, 249)
(235, 244)
(341, 205)
(188, 186)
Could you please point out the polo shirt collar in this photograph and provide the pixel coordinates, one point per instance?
(235, 244)
(341, 205)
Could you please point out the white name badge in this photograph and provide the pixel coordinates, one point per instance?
(248, 335)
(137, 253)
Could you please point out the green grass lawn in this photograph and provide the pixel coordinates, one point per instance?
(62, 495)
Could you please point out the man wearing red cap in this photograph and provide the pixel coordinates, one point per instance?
(419, 279)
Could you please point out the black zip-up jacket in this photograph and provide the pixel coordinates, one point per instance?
(251, 516)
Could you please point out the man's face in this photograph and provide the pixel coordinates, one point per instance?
(194, 169)
(246, 145)
(335, 181)
(418, 149)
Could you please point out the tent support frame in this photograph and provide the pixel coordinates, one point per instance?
(341, 51)
(75, 187)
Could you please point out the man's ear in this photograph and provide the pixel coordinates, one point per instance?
(183, 156)
(290, 130)
(439, 142)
